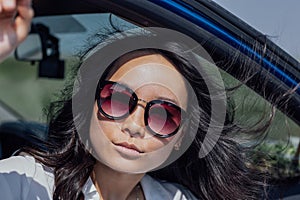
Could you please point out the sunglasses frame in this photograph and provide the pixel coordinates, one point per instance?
(134, 98)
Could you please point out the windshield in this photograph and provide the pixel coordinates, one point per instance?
(29, 95)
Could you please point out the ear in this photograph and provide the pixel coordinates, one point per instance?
(182, 132)
(177, 146)
(178, 143)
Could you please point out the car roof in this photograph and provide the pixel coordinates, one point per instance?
(58, 7)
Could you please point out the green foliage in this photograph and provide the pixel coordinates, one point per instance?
(24, 92)
(279, 158)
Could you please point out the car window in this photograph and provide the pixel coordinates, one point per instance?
(280, 147)
(276, 20)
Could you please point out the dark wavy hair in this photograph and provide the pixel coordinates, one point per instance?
(224, 173)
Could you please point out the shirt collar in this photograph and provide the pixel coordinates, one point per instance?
(89, 190)
(150, 188)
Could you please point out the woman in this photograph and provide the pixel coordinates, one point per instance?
(123, 142)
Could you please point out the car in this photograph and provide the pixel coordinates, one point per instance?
(60, 29)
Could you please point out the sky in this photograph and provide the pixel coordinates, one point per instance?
(279, 19)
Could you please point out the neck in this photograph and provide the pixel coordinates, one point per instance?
(113, 185)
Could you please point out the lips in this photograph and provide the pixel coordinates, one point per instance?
(129, 146)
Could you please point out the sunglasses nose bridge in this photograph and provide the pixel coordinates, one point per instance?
(143, 101)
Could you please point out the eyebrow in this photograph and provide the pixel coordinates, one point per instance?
(167, 99)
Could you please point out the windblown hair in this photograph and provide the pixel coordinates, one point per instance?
(224, 173)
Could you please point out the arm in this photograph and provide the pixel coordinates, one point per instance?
(15, 20)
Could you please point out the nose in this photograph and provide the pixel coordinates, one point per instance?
(134, 123)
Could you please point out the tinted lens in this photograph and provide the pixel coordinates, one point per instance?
(164, 118)
(115, 100)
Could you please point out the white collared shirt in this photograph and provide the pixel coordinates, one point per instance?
(22, 178)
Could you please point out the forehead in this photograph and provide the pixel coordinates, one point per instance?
(152, 70)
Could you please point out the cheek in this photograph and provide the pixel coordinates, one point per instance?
(152, 143)
(107, 128)
(100, 133)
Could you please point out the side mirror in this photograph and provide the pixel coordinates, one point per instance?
(40, 46)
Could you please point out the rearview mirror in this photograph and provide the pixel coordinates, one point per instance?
(43, 47)
(30, 49)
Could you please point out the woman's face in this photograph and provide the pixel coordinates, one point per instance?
(126, 144)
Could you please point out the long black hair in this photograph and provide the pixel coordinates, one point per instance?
(224, 173)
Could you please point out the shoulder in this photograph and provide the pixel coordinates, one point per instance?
(25, 165)
(159, 189)
(22, 176)
(18, 164)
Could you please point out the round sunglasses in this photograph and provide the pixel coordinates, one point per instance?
(117, 101)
